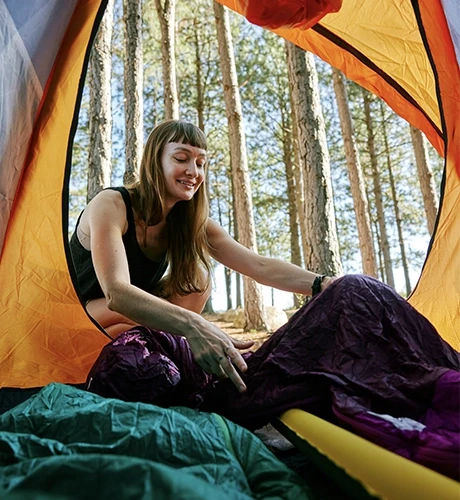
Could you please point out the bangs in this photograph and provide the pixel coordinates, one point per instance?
(186, 133)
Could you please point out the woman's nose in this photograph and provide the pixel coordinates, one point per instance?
(192, 168)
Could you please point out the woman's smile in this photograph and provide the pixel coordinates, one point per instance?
(187, 184)
(183, 169)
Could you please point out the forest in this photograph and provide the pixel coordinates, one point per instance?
(304, 165)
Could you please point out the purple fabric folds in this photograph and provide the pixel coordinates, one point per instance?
(147, 366)
(357, 354)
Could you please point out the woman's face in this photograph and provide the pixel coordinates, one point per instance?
(183, 170)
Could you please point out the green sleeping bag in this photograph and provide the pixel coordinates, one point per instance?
(73, 444)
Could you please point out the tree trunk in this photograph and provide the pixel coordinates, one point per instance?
(394, 196)
(296, 257)
(133, 84)
(227, 271)
(425, 175)
(253, 300)
(355, 174)
(298, 174)
(299, 190)
(323, 248)
(239, 298)
(384, 242)
(199, 83)
(380, 254)
(239, 295)
(100, 98)
(166, 16)
(228, 287)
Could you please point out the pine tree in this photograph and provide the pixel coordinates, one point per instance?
(253, 302)
(394, 196)
(323, 250)
(384, 241)
(425, 175)
(166, 16)
(296, 257)
(100, 98)
(133, 84)
(355, 174)
(299, 182)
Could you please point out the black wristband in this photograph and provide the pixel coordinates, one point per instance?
(316, 287)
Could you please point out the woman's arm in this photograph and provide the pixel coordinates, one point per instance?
(266, 271)
(213, 349)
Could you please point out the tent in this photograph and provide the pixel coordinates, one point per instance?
(45, 333)
(405, 51)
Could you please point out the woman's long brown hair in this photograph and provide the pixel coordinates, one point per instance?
(185, 229)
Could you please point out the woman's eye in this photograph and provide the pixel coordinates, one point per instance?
(180, 160)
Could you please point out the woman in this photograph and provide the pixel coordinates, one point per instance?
(125, 239)
(357, 354)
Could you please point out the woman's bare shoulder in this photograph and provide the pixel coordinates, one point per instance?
(107, 206)
(218, 237)
(213, 227)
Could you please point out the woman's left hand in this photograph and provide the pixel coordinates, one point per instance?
(327, 281)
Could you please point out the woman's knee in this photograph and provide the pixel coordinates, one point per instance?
(112, 322)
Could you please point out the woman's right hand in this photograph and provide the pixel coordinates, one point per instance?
(216, 352)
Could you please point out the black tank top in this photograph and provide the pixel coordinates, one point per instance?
(144, 273)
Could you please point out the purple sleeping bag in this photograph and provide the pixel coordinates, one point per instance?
(358, 355)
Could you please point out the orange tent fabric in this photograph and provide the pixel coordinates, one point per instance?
(405, 51)
(45, 334)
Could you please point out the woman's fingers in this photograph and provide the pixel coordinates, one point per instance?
(242, 344)
(328, 280)
(219, 371)
(218, 354)
(223, 366)
(236, 358)
(232, 374)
